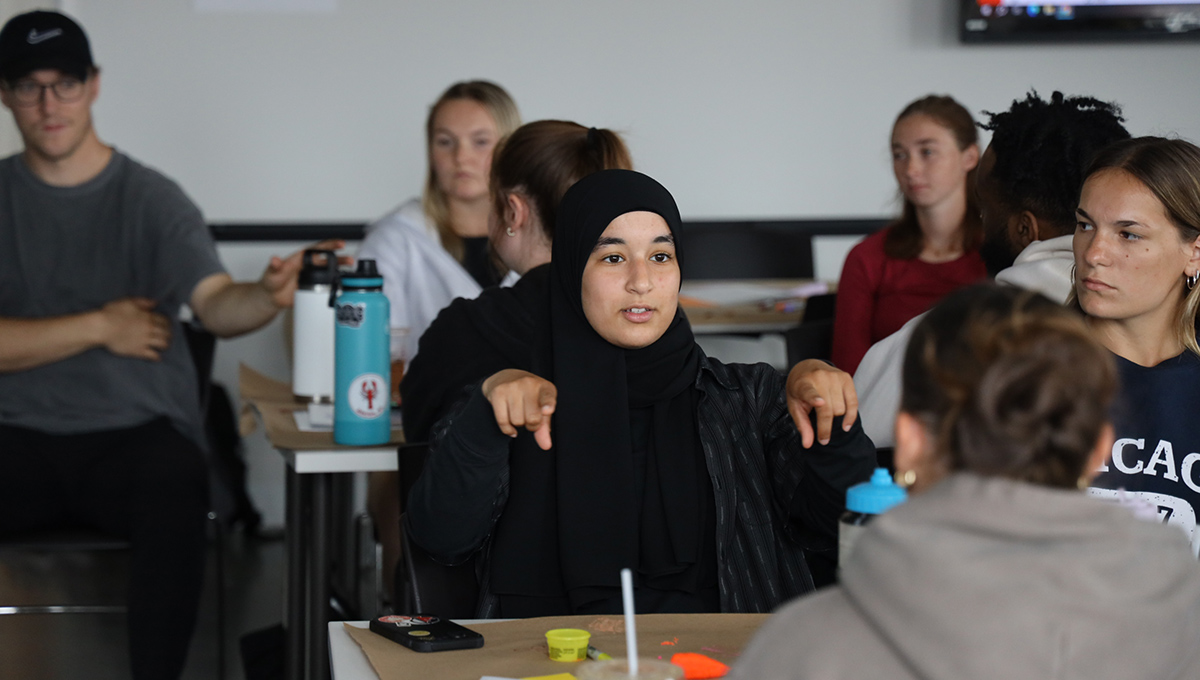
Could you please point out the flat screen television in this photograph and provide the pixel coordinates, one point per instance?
(982, 21)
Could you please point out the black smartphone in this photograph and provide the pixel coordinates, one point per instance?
(425, 633)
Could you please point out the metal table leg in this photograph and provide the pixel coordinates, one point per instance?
(295, 533)
(316, 641)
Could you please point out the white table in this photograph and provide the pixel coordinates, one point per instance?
(736, 306)
(313, 461)
(346, 658)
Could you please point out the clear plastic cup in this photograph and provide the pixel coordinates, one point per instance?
(618, 669)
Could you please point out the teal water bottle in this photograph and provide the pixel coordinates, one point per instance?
(361, 403)
(864, 502)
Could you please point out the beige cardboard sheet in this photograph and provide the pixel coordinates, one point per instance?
(517, 649)
(273, 401)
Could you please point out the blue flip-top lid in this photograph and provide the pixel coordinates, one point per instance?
(875, 496)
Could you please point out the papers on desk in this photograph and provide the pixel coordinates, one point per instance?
(745, 292)
(273, 401)
(319, 418)
(517, 648)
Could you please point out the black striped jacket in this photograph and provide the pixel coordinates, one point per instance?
(774, 499)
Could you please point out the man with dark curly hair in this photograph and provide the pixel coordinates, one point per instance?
(1031, 173)
(1028, 185)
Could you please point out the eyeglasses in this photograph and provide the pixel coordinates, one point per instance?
(29, 92)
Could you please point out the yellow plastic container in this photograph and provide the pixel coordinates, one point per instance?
(568, 644)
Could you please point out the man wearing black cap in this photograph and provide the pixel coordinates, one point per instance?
(99, 409)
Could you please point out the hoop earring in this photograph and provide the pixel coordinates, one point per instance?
(906, 478)
(1191, 280)
(509, 231)
(1072, 276)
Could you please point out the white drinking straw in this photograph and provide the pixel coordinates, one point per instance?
(630, 626)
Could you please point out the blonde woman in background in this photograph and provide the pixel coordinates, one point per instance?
(433, 250)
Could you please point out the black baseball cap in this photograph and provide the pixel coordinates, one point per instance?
(37, 40)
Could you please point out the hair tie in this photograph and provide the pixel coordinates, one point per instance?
(592, 136)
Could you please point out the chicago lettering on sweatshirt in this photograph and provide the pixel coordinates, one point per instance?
(1155, 463)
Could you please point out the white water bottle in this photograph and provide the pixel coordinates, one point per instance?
(313, 328)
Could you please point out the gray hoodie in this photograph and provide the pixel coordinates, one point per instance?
(988, 578)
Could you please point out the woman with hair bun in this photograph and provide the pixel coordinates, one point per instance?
(932, 249)
(1137, 260)
(471, 339)
(999, 566)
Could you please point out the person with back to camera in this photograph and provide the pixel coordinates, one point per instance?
(999, 566)
(100, 421)
(900, 271)
(473, 338)
(434, 250)
(619, 444)
(1137, 261)
(1028, 185)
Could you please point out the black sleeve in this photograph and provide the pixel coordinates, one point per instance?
(464, 484)
(438, 374)
(810, 484)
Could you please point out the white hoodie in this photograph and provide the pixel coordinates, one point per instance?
(419, 276)
(1044, 266)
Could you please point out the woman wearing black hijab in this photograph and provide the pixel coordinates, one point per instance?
(688, 470)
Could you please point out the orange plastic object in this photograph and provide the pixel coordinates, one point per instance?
(699, 667)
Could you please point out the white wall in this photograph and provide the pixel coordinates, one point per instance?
(756, 109)
(777, 108)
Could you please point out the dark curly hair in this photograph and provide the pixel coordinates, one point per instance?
(993, 373)
(1042, 148)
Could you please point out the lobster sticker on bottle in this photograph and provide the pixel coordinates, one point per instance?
(368, 396)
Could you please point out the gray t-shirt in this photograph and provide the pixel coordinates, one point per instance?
(130, 231)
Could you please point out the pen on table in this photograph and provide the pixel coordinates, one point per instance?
(784, 305)
(790, 305)
(596, 655)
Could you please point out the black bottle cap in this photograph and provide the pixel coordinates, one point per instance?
(313, 274)
(366, 269)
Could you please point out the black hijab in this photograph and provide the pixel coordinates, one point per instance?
(572, 519)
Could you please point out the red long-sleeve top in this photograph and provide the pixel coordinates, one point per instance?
(878, 294)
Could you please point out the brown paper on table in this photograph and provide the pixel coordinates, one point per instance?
(273, 401)
(517, 649)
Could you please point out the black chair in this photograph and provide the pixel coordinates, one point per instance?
(62, 559)
(425, 586)
(409, 465)
(820, 307)
(813, 337)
